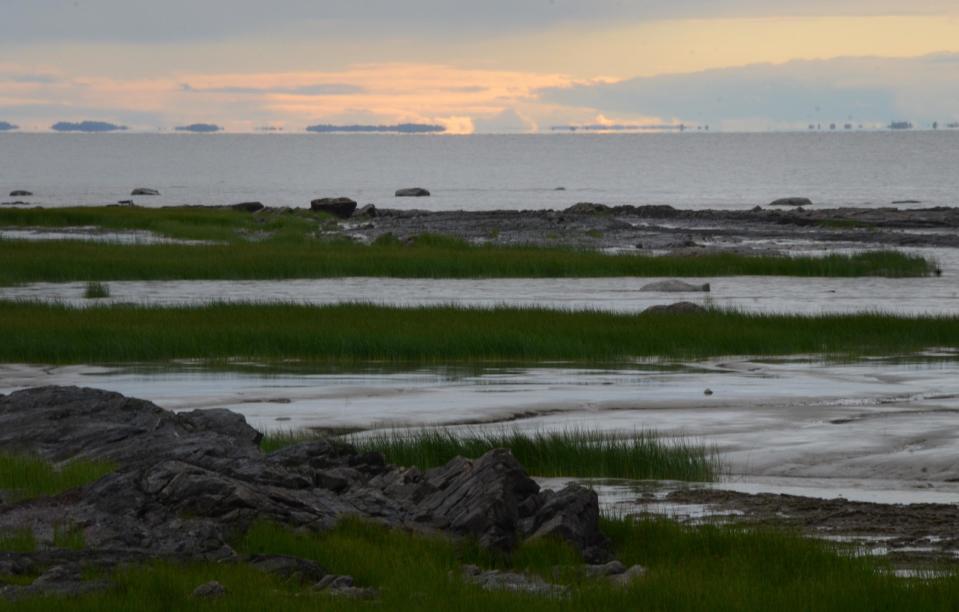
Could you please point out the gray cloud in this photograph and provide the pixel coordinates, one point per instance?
(861, 89)
(148, 21)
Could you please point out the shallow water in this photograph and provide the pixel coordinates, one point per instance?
(487, 172)
(752, 294)
(875, 420)
(92, 234)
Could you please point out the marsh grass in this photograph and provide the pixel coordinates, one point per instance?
(357, 333)
(575, 453)
(690, 569)
(19, 541)
(69, 537)
(27, 477)
(427, 256)
(96, 290)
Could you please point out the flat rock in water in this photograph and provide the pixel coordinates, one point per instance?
(412, 192)
(339, 207)
(20, 193)
(792, 202)
(144, 191)
(675, 286)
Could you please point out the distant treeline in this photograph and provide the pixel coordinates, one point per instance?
(6, 127)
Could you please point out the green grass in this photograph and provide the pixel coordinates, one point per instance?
(585, 454)
(353, 333)
(690, 568)
(187, 223)
(19, 541)
(427, 257)
(96, 290)
(26, 477)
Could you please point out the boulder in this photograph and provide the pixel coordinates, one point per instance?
(677, 308)
(20, 193)
(144, 191)
(185, 484)
(588, 208)
(412, 192)
(210, 590)
(339, 207)
(675, 286)
(250, 207)
(367, 211)
(792, 202)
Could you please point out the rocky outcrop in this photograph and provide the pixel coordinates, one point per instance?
(338, 207)
(675, 286)
(412, 192)
(367, 211)
(588, 208)
(250, 207)
(20, 193)
(187, 483)
(144, 191)
(791, 202)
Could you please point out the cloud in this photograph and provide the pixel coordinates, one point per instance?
(315, 89)
(797, 92)
(148, 21)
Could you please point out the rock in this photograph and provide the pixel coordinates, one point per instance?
(289, 568)
(250, 207)
(708, 392)
(757, 208)
(339, 207)
(367, 211)
(628, 577)
(210, 590)
(144, 191)
(16, 203)
(606, 569)
(127, 203)
(495, 580)
(412, 192)
(677, 308)
(20, 193)
(588, 208)
(185, 484)
(675, 286)
(894, 203)
(560, 189)
(792, 202)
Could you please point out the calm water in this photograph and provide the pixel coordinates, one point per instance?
(487, 172)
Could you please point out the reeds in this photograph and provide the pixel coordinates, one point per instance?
(357, 333)
(96, 290)
(26, 476)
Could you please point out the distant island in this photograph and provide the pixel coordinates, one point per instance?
(900, 125)
(269, 128)
(199, 128)
(7, 127)
(87, 126)
(402, 128)
(620, 128)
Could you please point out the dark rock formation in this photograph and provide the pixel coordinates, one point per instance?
(15, 203)
(144, 191)
(340, 207)
(187, 483)
(250, 207)
(588, 208)
(412, 192)
(791, 202)
(367, 211)
(19, 193)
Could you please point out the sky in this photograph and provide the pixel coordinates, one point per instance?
(491, 66)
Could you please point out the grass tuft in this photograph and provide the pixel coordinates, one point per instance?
(27, 477)
(96, 290)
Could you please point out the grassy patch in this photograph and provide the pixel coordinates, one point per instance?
(352, 333)
(188, 223)
(26, 477)
(427, 256)
(19, 541)
(69, 537)
(690, 568)
(586, 454)
(96, 290)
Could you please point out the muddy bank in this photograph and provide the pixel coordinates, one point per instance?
(667, 228)
(911, 535)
